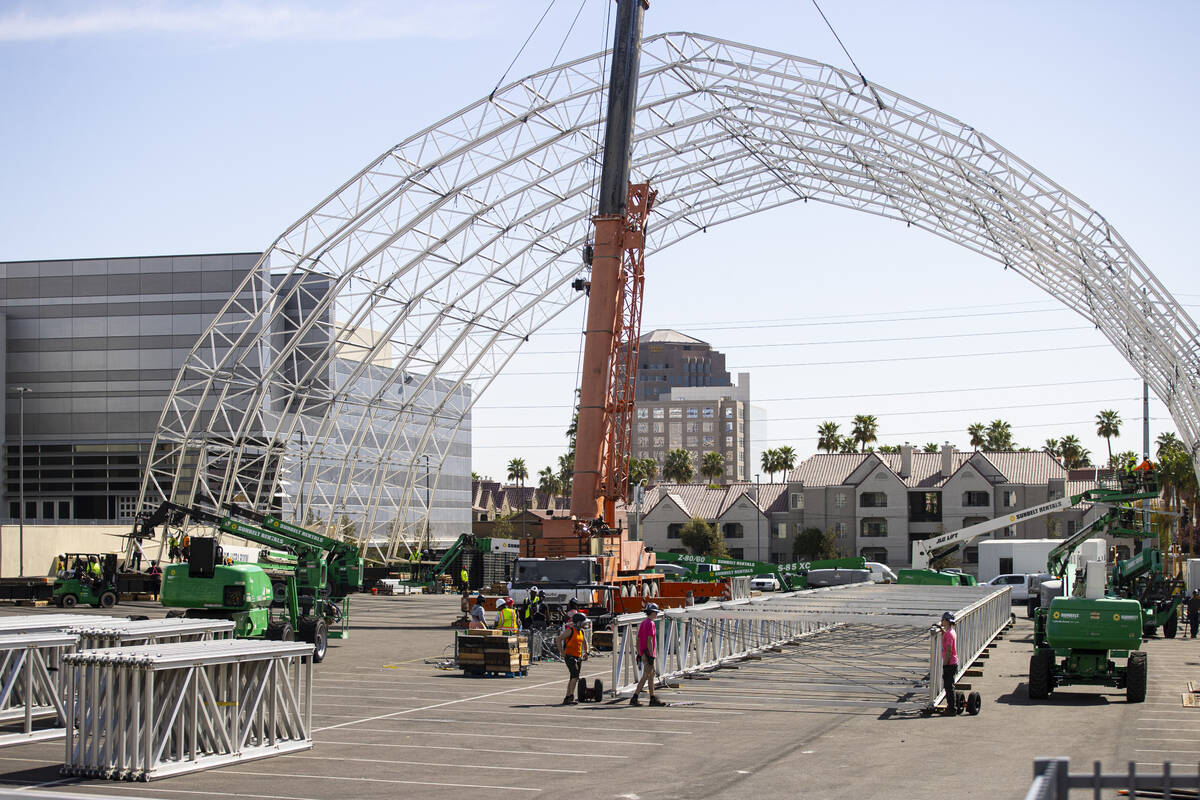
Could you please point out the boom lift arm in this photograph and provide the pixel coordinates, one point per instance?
(925, 550)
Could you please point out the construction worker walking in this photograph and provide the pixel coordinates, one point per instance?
(570, 643)
(462, 580)
(506, 617)
(647, 647)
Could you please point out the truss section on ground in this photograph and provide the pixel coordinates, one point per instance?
(352, 356)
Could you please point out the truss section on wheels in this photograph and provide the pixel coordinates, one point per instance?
(346, 365)
(860, 645)
(139, 713)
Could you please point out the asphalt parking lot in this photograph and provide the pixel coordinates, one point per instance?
(389, 723)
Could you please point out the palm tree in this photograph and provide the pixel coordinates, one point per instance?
(865, 429)
(828, 438)
(770, 462)
(787, 459)
(548, 484)
(932, 447)
(1165, 443)
(678, 466)
(642, 470)
(1053, 447)
(848, 445)
(978, 434)
(517, 471)
(712, 466)
(1074, 454)
(1108, 425)
(998, 435)
(566, 471)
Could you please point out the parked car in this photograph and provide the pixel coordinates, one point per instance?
(1019, 583)
(765, 583)
(881, 573)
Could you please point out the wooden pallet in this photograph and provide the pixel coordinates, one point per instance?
(31, 603)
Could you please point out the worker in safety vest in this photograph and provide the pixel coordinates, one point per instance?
(570, 643)
(93, 569)
(462, 578)
(506, 617)
(173, 549)
(535, 610)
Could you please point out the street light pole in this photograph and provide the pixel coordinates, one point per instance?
(21, 392)
(300, 498)
(428, 510)
(758, 516)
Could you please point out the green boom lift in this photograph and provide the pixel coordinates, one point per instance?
(1076, 639)
(302, 592)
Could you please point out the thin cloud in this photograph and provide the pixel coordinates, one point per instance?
(249, 20)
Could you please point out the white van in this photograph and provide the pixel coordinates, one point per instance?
(881, 573)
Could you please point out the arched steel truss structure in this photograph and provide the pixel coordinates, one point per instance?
(350, 350)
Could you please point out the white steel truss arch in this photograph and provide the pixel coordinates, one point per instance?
(346, 364)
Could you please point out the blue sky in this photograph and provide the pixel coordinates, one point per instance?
(135, 128)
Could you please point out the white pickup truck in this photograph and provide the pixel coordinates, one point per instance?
(1023, 585)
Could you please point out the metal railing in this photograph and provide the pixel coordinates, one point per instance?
(149, 711)
(1052, 780)
(688, 643)
(977, 625)
(30, 685)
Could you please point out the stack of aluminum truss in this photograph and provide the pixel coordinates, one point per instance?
(155, 710)
(31, 685)
(124, 632)
(32, 623)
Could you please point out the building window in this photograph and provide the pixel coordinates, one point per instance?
(839, 500)
(658, 427)
(737, 552)
(874, 526)
(874, 554)
(1072, 527)
(674, 529)
(643, 413)
(1010, 531)
(925, 506)
(707, 413)
(693, 413)
(1010, 498)
(969, 521)
(729, 427)
(839, 529)
(676, 413)
(659, 413)
(872, 500)
(729, 441)
(659, 441)
(692, 441)
(732, 530)
(975, 499)
(643, 441)
(728, 412)
(708, 441)
(707, 427)
(796, 501)
(643, 427)
(692, 427)
(781, 530)
(971, 554)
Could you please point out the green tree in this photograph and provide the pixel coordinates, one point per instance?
(703, 539)
(548, 483)
(814, 544)
(828, 438)
(787, 459)
(1074, 454)
(712, 466)
(932, 447)
(642, 470)
(566, 472)
(998, 436)
(888, 448)
(1053, 447)
(1108, 425)
(978, 434)
(866, 430)
(1165, 442)
(848, 445)
(770, 462)
(475, 476)
(502, 527)
(677, 467)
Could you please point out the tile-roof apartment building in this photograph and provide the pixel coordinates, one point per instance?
(875, 504)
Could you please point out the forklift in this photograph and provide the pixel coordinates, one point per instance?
(74, 585)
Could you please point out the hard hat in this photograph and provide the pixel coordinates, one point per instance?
(572, 603)
(948, 616)
(651, 607)
(501, 603)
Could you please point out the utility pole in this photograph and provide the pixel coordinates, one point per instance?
(1146, 447)
(758, 517)
(303, 521)
(21, 392)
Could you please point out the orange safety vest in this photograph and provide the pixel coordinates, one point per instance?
(508, 620)
(574, 644)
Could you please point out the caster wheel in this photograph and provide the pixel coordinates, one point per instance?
(974, 702)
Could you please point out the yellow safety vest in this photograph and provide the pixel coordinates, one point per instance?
(94, 569)
(508, 620)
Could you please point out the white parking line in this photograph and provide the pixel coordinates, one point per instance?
(449, 703)
(459, 765)
(378, 780)
(473, 749)
(507, 736)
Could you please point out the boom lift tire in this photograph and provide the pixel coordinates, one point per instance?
(1040, 665)
(174, 613)
(974, 702)
(280, 630)
(315, 631)
(1171, 626)
(1136, 677)
(69, 601)
(108, 599)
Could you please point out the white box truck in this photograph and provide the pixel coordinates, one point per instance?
(1022, 556)
(1193, 574)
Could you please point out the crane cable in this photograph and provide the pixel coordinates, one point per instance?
(875, 94)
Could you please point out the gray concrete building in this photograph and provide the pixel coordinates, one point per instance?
(98, 344)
